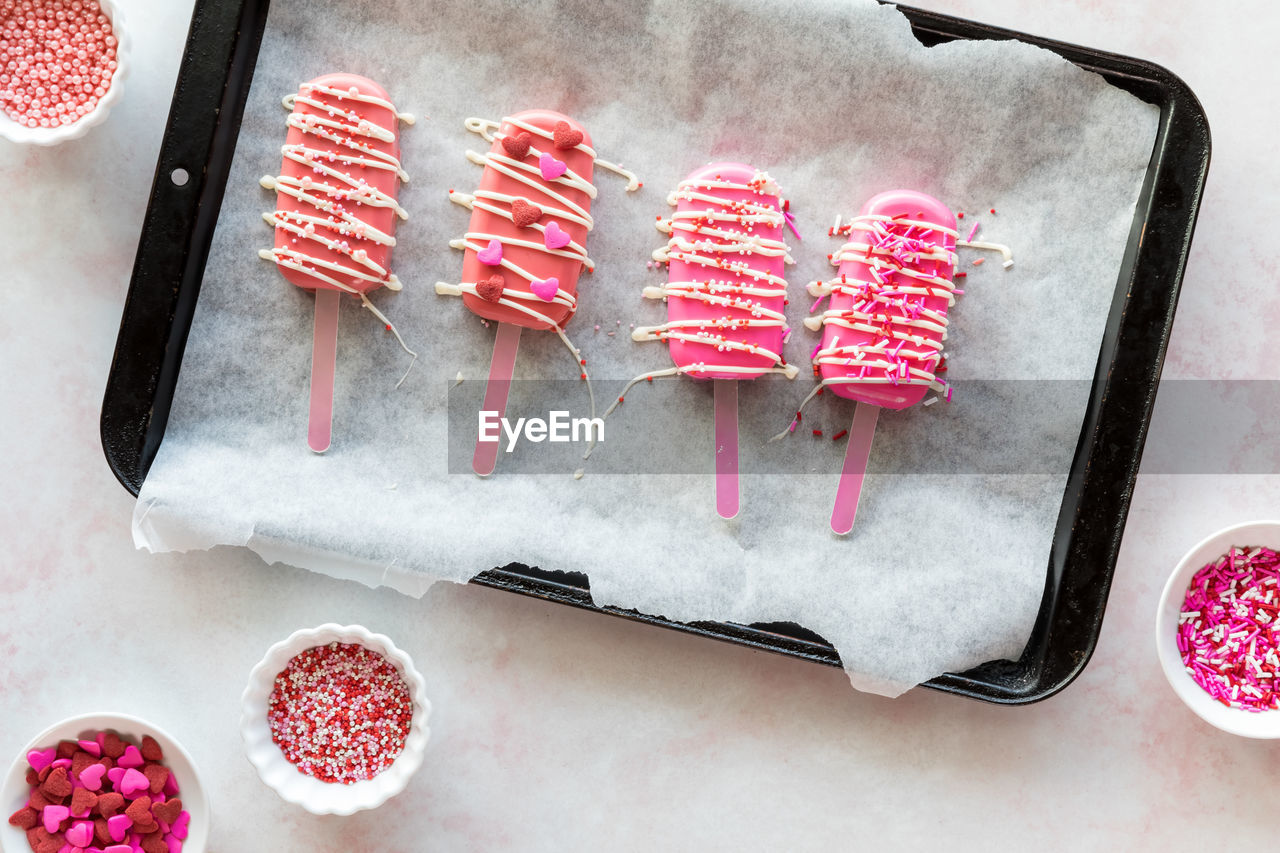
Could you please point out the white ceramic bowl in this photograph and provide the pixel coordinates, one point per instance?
(13, 795)
(14, 132)
(283, 777)
(1255, 724)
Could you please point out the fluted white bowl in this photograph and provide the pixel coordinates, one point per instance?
(195, 800)
(23, 135)
(281, 775)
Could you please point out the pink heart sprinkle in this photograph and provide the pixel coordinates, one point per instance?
(118, 848)
(39, 759)
(115, 774)
(118, 825)
(91, 747)
(554, 237)
(492, 255)
(91, 776)
(61, 762)
(53, 816)
(80, 834)
(180, 826)
(550, 167)
(131, 758)
(67, 848)
(133, 783)
(545, 289)
(175, 846)
(170, 786)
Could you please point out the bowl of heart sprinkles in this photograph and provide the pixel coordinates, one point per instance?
(106, 782)
(1218, 629)
(335, 719)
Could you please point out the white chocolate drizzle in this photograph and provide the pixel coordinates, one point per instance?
(696, 239)
(335, 225)
(555, 207)
(906, 344)
(488, 129)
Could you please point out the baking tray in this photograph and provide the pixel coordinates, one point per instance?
(200, 138)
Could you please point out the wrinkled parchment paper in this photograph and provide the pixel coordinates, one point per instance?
(838, 101)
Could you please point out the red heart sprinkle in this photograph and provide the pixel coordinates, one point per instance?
(25, 818)
(565, 136)
(82, 801)
(517, 146)
(112, 746)
(167, 811)
(38, 800)
(154, 843)
(80, 761)
(109, 804)
(57, 784)
(157, 775)
(151, 749)
(490, 289)
(524, 214)
(67, 748)
(139, 811)
(101, 834)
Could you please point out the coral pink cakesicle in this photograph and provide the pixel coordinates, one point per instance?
(526, 243)
(726, 295)
(336, 211)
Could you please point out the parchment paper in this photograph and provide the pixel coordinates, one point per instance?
(838, 101)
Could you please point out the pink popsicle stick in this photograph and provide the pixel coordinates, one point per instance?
(324, 359)
(726, 412)
(855, 467)
(501, 368)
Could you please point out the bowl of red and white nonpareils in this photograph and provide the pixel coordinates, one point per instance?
(1218, 629)
(62, 64)
(335, 719)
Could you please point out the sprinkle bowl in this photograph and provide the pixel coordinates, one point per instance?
(14, 132)
(293, 786)
(195, 800)
(1238, 721)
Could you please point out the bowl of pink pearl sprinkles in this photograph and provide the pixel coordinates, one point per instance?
(61, 67)
(1218, 629)
(335, 719)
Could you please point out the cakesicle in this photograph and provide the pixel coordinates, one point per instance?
(525, 246)
(336, 211)
(726, 295)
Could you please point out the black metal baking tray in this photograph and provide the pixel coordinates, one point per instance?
(204, 122)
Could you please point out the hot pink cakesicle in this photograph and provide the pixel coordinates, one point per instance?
(884, 328)
(726, 295)
(336, 211)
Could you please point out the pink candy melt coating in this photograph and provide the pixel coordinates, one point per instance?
(385, 180)
(919, 207)
(719, 317)
(539, 264)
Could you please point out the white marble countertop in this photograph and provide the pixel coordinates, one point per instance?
(560, 729)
